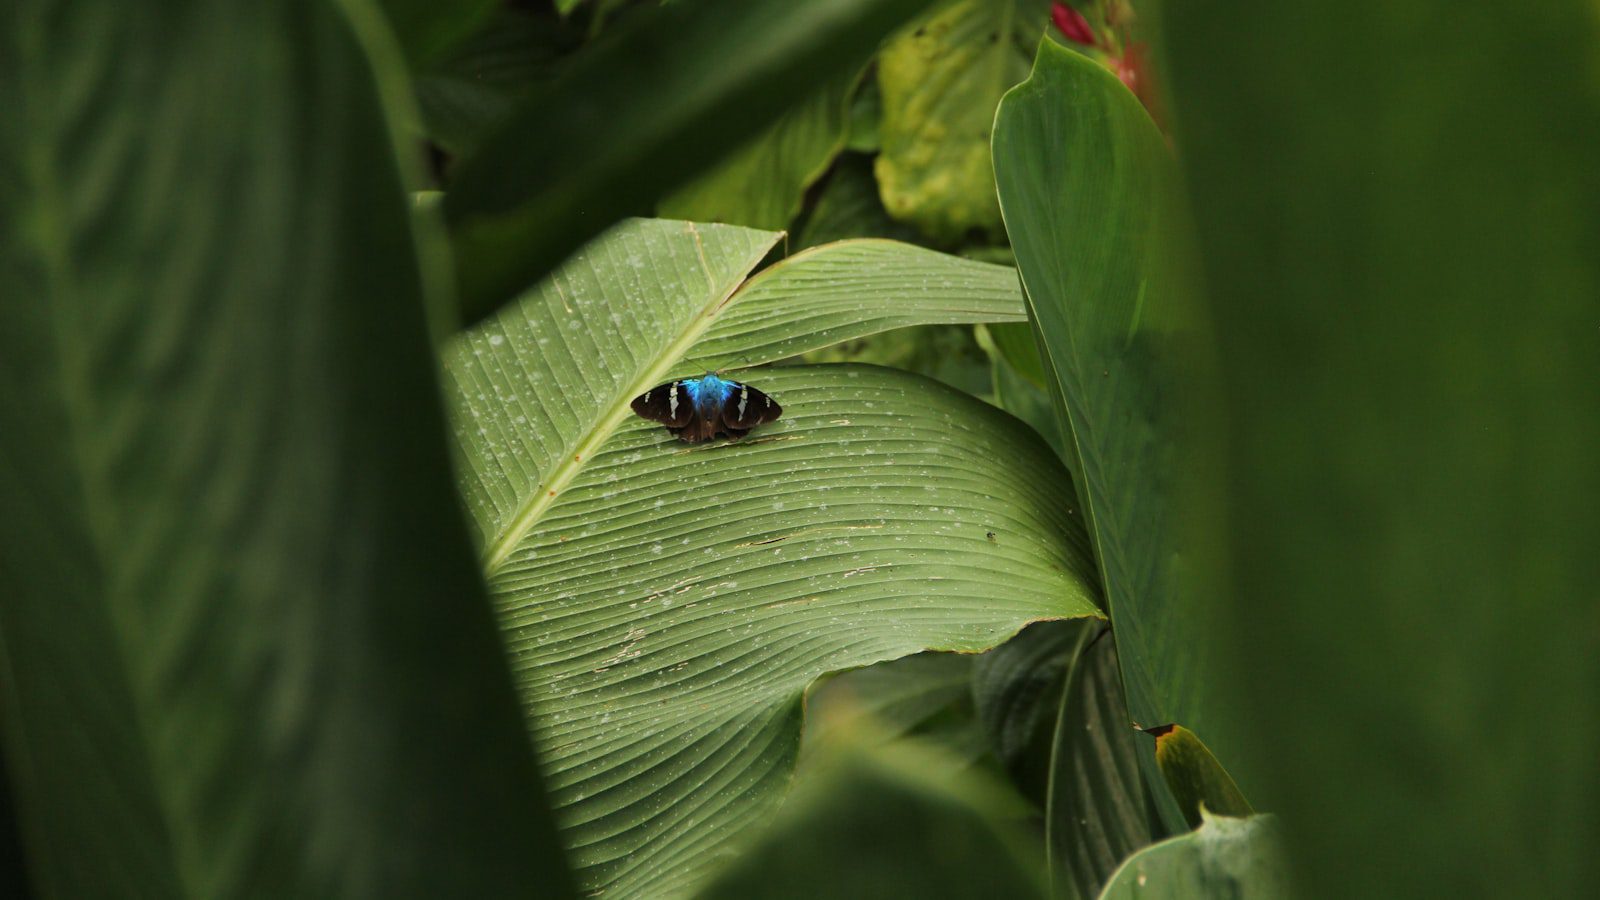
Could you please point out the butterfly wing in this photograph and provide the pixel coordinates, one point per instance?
(746, 408)
(667, 403)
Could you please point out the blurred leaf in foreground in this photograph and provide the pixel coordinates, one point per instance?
(1400, 235)
(246, 649)
(876, 824)
(634, 116)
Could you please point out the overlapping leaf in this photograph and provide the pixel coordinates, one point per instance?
(761, 184)
(940, 82)
(1087, 187)
(1016, 692)
(634, 116)
(244, 651)
(848, 206)
(1224, 857)
(665, 605)
(885, 822)
(925, 698)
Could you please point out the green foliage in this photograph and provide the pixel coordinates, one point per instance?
(940, 81)
(848, 207)
(946, 353)
(1016, 689)
(1015, 344)
(762, 184)
(466, 93)
(251, 646)
(1086, 184)
(927, 696)
(1018, 379)
(596, 145)
(1224, 857)
(1099, 811)
(866, 111)
(1198, 781)
(1399, 234)
(666, 606)
(246, 651)
(888, 823)
(427, 29)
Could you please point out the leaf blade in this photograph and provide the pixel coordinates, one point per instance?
(231, 402)
(587, 151)
(667, 610)
(1087, 187)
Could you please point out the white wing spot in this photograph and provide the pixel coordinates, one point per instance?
(672, 399)
(743, 399)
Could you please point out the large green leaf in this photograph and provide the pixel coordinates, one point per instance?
(636, 115)
(1240, 859)
(1086, 185)
(1401, 236)
(885, 823)
(666, 605)
(244, 650)
(762, 183)
(940, 82)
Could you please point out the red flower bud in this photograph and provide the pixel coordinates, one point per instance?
(1071, 23)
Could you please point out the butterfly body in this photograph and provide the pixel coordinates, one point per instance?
(705, 408)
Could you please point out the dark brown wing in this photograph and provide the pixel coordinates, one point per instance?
(668, 404)
(746, 408)
(698, 430)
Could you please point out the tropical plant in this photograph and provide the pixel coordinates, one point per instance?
(334, 561)
(666, 605)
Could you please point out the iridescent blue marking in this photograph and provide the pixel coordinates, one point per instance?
(708, 393)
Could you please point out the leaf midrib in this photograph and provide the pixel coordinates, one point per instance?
(573, 458)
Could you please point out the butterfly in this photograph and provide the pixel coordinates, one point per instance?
(708, 407)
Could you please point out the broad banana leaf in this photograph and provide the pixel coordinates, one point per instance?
(665, 605)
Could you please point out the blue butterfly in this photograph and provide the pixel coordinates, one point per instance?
(708, 407)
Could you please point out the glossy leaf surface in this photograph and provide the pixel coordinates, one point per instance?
(666, 606)
(1224, 857)
(1198, 781)
(940, 82)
